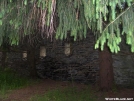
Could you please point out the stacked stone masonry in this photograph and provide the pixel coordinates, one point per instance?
(81, 66)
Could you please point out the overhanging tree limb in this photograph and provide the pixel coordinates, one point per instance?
(118, 17)
(73, 16)
(112, 32)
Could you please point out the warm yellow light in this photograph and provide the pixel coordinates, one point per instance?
(42, 51)
(67, 49)
(24, 55)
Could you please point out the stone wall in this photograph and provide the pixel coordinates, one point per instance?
(83, 62)
(124, 66)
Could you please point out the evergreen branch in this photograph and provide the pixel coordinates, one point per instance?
(117, 18)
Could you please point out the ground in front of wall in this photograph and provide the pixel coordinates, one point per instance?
(46, 85)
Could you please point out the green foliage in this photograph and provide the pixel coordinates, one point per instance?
(71, 19)
(113, 31)
(68, 94)
(9, 80)
(18, 18)
(108, 19)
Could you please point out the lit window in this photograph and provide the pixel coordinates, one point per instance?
(24, 55)
(42, 51)
(67, 49)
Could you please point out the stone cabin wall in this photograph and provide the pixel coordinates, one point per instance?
(83, 61)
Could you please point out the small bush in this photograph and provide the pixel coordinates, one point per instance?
(9, 80)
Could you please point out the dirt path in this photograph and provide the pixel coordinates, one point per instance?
(25, 94)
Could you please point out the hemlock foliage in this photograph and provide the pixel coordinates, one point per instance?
(108, 19)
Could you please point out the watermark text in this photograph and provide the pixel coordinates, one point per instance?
(119, 99)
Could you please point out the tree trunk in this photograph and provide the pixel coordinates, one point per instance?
(3, 59)
(106, 69)
(32, 63)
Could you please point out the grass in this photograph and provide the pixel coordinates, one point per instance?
(67, 94)
(10, 81)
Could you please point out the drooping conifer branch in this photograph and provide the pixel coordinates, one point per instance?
(74, 17)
